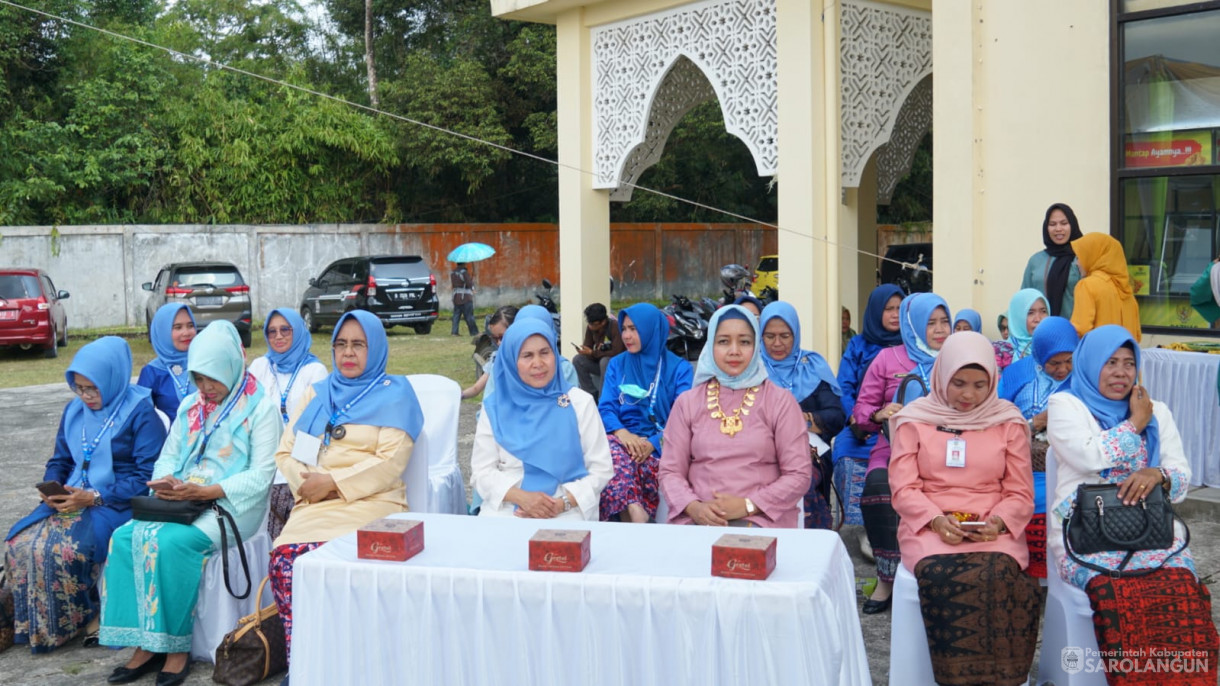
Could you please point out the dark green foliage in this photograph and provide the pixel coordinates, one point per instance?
(95, 129)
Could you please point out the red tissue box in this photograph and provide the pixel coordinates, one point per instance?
(743, 557)
(390, 539)
(559, 550)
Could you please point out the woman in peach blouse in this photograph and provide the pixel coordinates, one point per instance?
(963, 487)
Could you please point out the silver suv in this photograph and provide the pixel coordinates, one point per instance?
(213, 290)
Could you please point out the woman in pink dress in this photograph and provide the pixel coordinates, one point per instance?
(963, 487)
(735, 451)
(923, 319)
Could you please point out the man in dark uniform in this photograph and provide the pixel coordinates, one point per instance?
(602, 342)
(463, 298)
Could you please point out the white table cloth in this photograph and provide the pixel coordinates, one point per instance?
(1186, 382)
(645, 611)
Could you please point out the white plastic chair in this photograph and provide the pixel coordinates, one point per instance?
(433, 479)
(217, 612)
(910, 661)
(1067, 620)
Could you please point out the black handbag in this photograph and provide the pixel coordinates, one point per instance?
(900, 397)
(1100, 521)
(149, 508)
(153, 509)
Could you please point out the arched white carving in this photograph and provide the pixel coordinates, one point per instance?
(646, 78)
(885, 51)
(895, 157)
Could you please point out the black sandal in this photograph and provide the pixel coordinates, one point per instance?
(89, 640)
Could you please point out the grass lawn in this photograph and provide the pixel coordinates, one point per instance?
(436, 353)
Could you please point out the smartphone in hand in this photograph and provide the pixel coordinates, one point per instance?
(51, 488)
(160, 485)
(972, 525)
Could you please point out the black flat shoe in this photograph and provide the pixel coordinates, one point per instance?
(174, 678)
(89, 640)
(123, 675)
(874, 607)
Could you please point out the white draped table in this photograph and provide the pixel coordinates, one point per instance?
(1186, 382)
(646, 611)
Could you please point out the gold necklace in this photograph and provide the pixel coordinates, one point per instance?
(730, 424)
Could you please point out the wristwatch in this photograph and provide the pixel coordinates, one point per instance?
(97, 499)
(751, 508)
(567, 502)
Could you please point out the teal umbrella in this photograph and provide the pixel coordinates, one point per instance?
(471, 252)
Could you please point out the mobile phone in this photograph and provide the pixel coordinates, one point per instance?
(160, 485)
(575, 346)
(50, 488)
(972, 525)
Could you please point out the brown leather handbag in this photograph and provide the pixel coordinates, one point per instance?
(254, 650)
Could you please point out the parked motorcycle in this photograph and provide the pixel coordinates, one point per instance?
(687, 326)
(544, 299)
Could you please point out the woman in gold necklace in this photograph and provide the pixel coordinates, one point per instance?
(735, 450)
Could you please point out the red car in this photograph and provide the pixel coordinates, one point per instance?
(31, 311)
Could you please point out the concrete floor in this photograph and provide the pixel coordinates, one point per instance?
(31, 418)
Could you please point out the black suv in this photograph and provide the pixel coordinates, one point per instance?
(399, 289)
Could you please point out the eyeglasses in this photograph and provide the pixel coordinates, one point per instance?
(283, 332)
(355, 346)
(86, 391)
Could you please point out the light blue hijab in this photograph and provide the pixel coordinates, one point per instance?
(802, 371)
(755, 372)
(161, 333)
(536, 425)
(539, 313)
(297, 355)
(105, 362)
(391, 403)
(1018, 310)
(1092, 353)
(971, 317)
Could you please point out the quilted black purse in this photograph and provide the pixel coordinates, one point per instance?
(1101, 521)
(148, 508)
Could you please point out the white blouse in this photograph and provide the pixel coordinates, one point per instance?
(495, 470)
(274, 383)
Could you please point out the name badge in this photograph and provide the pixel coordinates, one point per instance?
(955, 453)
(305, 448)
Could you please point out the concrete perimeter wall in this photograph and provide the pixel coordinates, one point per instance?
(103, 266)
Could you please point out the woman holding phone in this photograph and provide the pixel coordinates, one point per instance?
(109, 437)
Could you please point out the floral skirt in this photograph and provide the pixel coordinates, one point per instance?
(54, 580)
(280, 570)
(633, 483)
(281, 502)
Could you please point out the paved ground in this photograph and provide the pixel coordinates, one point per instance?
(31, 417)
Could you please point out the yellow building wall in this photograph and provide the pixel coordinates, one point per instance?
(1021, 120)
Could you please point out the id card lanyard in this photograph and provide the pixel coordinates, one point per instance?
(288, 389)
(335, 415)
(87, 447)
(955, 448)
(182, 388)
(224, 413)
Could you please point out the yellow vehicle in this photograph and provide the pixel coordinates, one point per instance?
(766, 274)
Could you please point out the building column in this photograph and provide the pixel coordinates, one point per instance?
(584, 213)
(808, 269)
(956, 149)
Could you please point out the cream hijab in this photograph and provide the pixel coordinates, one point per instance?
(961, 349)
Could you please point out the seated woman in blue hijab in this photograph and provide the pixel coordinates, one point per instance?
(540, 449)
(109, 437)
(968, 320)
(286, 372)
(807, 376)
(638, 392)
(567, 370)
(1028, 383)
(220, 447)
(171, 332)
